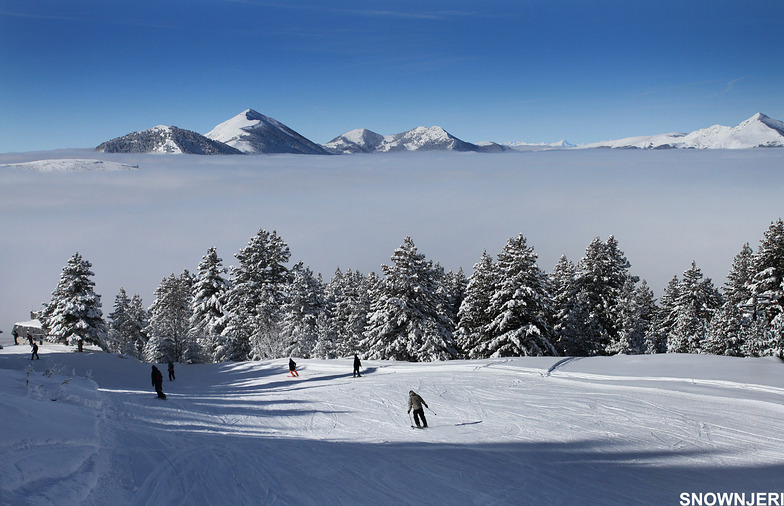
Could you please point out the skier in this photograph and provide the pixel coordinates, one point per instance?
(16, 336)
(357, 365)
(30, 338)
(35, 352)
(416, 402)
(171, 371)
(157, 382)
(293, 367)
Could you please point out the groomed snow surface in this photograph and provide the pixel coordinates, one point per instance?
(617, 430)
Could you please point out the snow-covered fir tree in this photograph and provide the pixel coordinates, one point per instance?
(694, 308)
(74, 314)
(347, 304)
(253, 302)
(454, 286)
(767, 295)
(732, 324)
(115, 340)
(664, 320)
(126, 325)
(589, 323)
(520, 307)
(170, 315)
(207, 315)
(567, 317)
(473, 315)
(636, 312)
(304, 304)
(407, 321)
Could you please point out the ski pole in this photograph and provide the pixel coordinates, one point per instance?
(428, 407)
(410, 420)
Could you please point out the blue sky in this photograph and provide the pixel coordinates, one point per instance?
(77, 73)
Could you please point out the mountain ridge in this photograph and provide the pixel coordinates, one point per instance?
(251, 132)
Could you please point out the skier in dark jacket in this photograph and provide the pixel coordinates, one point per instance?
(171, 371)
(416, 402)
(293, 367)
(357, 365)
(35, 352)
(157, 382)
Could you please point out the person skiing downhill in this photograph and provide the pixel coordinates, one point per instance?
(171, 371)
(35, 352)
(157, 382)
(293, 367)
(357, 365)
(416, 402)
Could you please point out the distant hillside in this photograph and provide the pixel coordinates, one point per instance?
(166, 139)
(759, 131)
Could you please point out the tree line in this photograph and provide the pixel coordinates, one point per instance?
(416, 311)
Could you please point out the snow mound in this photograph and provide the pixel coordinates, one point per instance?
(69, 165)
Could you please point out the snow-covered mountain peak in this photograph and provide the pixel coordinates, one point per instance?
(755, 132)
(252, 132)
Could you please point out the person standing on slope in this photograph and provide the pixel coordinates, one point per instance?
(157, 382)
(35, 352)
(171, 371)
(415, 402)
(357, 365)
(293, 367)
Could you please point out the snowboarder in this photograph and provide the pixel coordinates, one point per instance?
(157, 382)
(35, 352)
(293, 367)
(416, 402)
(16, 336)
(171, 371)
(357, 365)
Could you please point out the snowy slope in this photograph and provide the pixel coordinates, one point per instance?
(166, 139)
(69, 165)
(252, 132)
(535, 431)
(757, 131)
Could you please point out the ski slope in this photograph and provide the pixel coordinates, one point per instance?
(604, 430)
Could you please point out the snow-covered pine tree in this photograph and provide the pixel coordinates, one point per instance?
(731, 326)
(116, 340)
(664, 319)
(520, 306)
(590, 321)
(304, 304)
(567, 317)
(455, 285)
(170, 316)
(207, 315)
(74, 314)
(254, 300)
(137, 320)
(768, 273)
(407, 320)
(695, 305)
(347, 305)
(126, 326)
(473, 315)
(635, 317)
